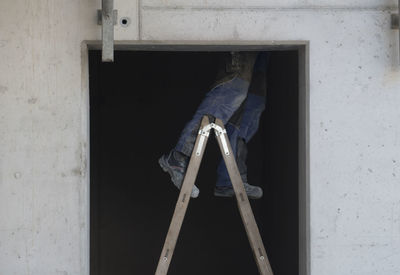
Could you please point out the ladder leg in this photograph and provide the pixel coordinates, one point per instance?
(183, 199)
(246, 213)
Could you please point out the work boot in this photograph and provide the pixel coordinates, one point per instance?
(253, 192)
(175, 165)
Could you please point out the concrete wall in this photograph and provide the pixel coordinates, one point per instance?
(354, 121)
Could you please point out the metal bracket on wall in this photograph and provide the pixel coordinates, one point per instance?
(395, 22)
(107, 18)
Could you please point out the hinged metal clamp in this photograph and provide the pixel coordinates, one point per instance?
(107, 18)
(219, 132)
(205, 132)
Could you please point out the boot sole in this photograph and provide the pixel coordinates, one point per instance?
(221, 195)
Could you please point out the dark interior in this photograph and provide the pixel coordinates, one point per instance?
(138, 106)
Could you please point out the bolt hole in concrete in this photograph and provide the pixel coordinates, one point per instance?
(125, 21)
(138, 106)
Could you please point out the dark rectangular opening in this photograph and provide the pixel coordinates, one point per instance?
(138, 106)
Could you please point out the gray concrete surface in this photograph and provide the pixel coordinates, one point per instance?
(354, 121)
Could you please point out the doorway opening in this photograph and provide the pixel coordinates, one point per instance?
(138, 106)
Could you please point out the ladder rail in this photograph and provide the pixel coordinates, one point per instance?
(183, 199)
(244, 206)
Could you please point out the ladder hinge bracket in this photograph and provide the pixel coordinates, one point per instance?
(221, 133)
(204, 133)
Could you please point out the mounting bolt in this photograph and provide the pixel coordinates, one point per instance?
(125, 21)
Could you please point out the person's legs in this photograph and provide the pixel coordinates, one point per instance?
(240, 135)
(241, 131)
(221, 102)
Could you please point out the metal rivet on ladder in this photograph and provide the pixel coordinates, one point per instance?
(261, 255)
(166, 256)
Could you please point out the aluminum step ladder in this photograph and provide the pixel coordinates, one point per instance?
(246, 213)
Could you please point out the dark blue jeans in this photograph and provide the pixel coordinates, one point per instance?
(222, 102)
(253, 108)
